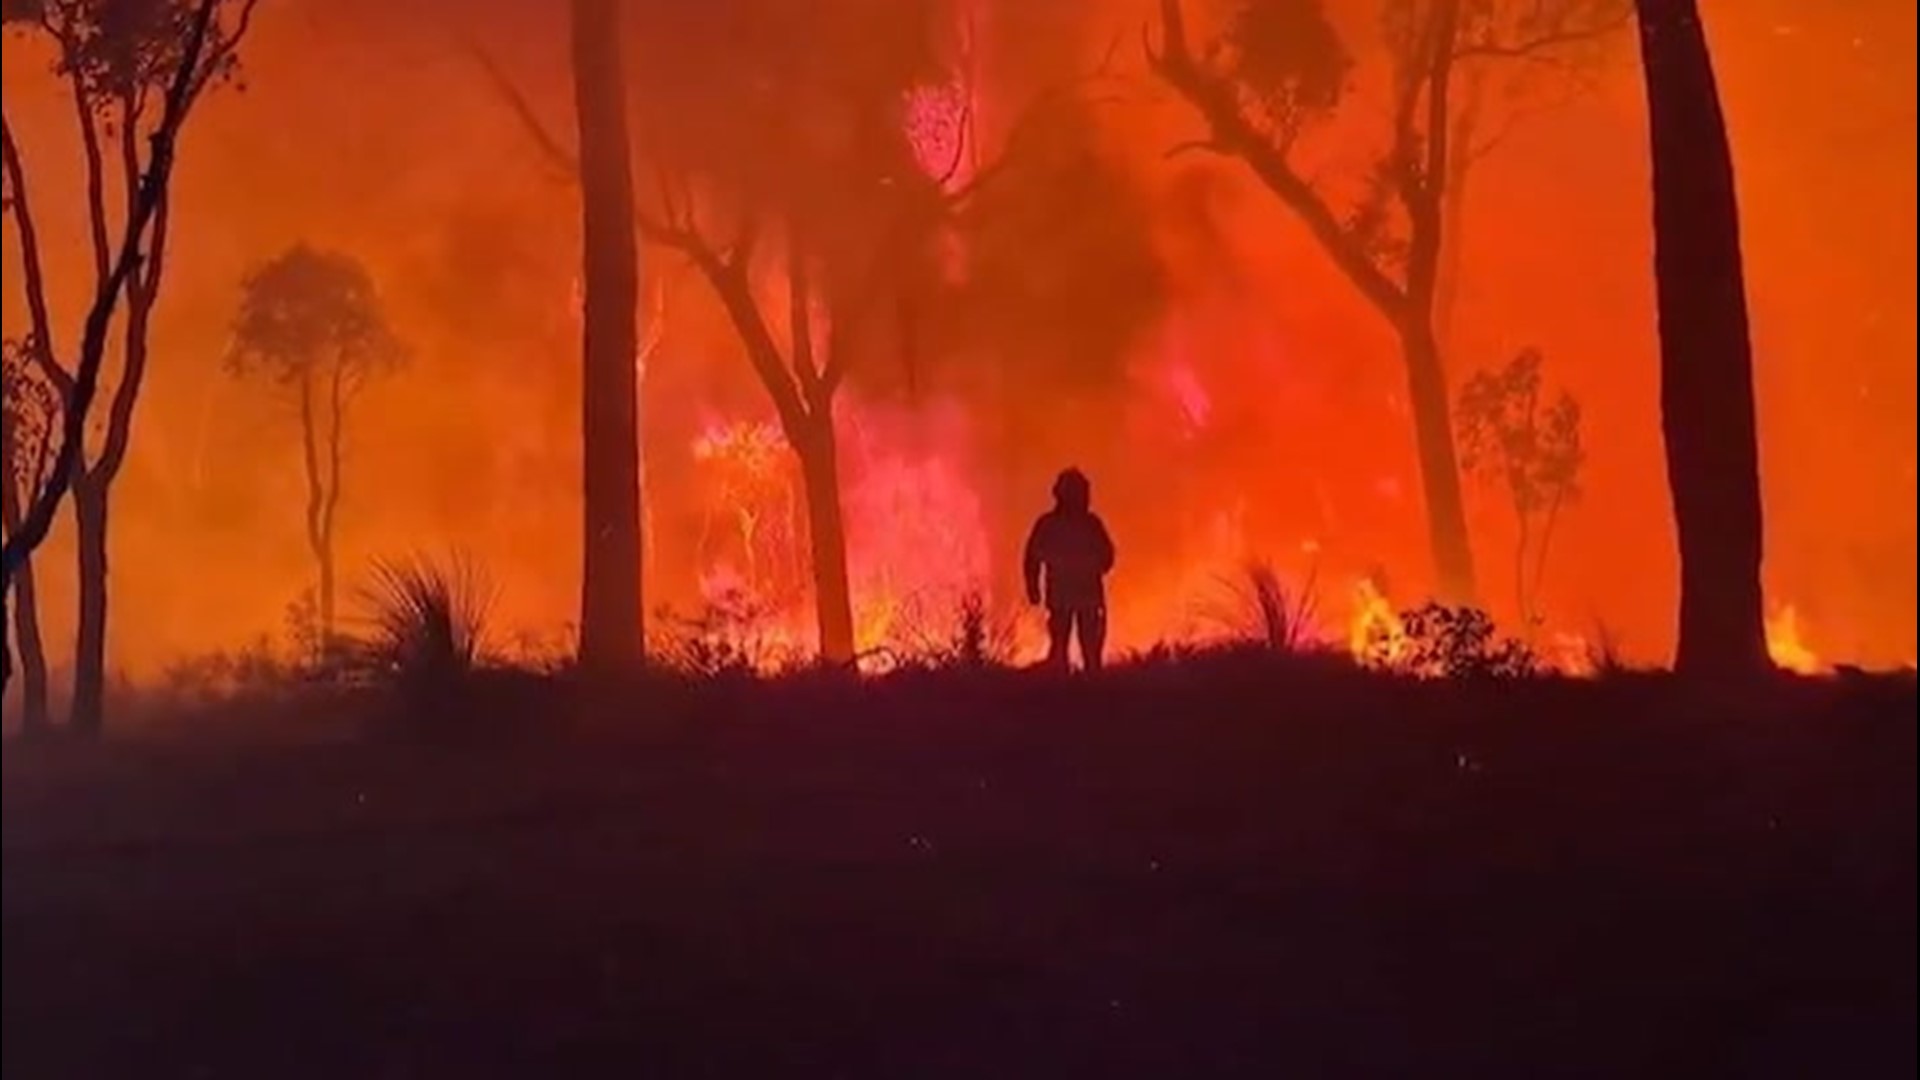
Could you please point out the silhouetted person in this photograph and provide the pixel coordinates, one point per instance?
(1071, 546)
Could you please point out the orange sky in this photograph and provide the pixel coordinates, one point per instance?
(364, 132)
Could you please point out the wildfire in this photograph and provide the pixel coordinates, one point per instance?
(1785, 644)
(919, 550)
(1375, 633)
(916, 544)
(1572, 655)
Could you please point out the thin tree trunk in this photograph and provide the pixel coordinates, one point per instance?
(90, 504)
(611, 607)
(827, 538)
(24, 620)
(316, 505)
(330, 505)
(34, 718)
(1521, 596)
(1706, 362)
(325, 558)
(1542, 546)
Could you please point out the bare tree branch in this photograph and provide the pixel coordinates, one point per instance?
(39, 516)
(562, 161)
(42, 352)
(1026, 127)
(1233, 133)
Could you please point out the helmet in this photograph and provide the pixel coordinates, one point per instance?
(1072, 490)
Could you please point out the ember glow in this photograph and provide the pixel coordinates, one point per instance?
(1157, 319)
(1786, 645)
(1375, 634)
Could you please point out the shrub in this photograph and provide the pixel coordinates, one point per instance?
(729, 635)
(254, 670)
(1462, 643)
(971, 636)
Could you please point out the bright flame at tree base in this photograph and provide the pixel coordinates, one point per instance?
(1786, 645)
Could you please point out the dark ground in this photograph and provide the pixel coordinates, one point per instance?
(1179, 872)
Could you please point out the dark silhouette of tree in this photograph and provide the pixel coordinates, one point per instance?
(311, 324)
(29, 416)
(1514, 438)
(612, 610)
(1706, 357)
(1280, 71)
(824, 178)
(134, 71)
(782, 170)
(780, 162)
(808, 179)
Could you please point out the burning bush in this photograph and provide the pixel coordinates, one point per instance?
(971, 636)
(1461, 643)
(732, 633)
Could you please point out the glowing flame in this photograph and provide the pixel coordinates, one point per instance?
(1571, 655)
(1785, 644)
(916, 540)
(916, 535)
(1375, 633)
(1196, 405)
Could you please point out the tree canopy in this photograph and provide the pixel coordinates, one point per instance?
(306, 308)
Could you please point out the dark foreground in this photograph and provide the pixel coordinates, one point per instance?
(1171, 873)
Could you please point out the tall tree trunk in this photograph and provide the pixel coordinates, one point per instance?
(6, 638)
(90, 504)
(1429, 394)
(1706, 360)
(1410, 306)
(1432, 408)
(33, 653)
(1453, 214)
(22, 622)
(93, 489)
(611, 608)
(827, 537)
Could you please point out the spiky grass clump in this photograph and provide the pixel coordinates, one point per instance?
(428, 618)
(1267, 612)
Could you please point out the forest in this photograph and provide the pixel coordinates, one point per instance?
(612, 441)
